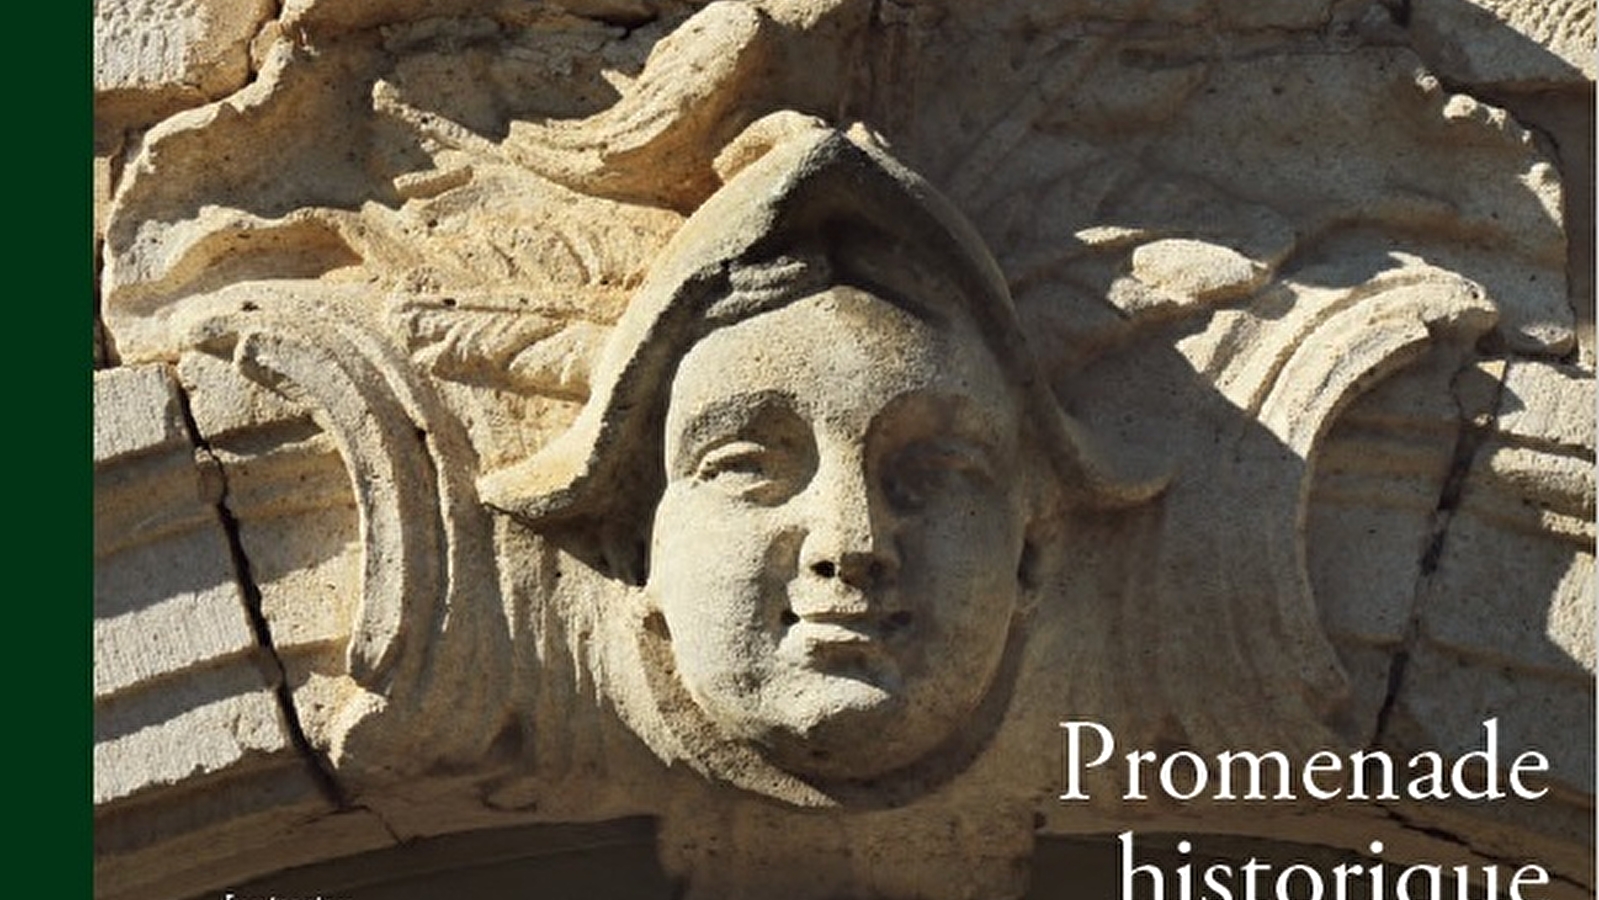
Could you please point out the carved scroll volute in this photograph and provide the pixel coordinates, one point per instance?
(1344, 354)
(427, 575)
(1297, 384)
(1232, 536)
(392, 477)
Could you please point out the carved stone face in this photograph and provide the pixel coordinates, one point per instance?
(837, 547)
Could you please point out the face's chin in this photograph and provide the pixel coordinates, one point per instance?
(826, 712)
(845, 699)
(836, 725)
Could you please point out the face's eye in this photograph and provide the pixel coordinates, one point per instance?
(927, 471)
(764, 473)
(752, 448)
(734, 459)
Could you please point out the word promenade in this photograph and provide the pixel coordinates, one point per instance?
(1270, 776)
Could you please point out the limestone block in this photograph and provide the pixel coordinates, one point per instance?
(165, 594)
(166, 598)
(164, 607)
(1525, 520)
(1508, 43)
(136, 410)
(1549, 405)
(290, 495)
(205, 740)
(154, 56)
(219, 837)
(1513, 598)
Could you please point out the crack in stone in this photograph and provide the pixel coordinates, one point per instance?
(1410, 824)
(378, 817)
(273, 19)
(1398, 11)
(858, 98)
(317, 765)
(1474, 429)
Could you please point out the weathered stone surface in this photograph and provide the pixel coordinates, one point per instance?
(205, 740)
(163, 609)
(774, 418)
(136, 411)
(1378, 482)
(1508, 43)
(1445, 703)
(216, 836)
(152, 57)
(290, 494)
(1548, 407)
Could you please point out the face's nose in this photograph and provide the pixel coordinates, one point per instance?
(849, 536)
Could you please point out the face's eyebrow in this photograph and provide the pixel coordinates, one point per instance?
(937, 411)
(725, 417)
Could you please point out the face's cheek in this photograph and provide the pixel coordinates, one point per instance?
(716, 574)
(959, 581)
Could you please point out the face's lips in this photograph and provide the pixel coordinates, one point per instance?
(833, 643)
(837, 627)
(862, 640)
(830, 634)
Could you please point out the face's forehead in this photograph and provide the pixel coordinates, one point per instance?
(840, 357)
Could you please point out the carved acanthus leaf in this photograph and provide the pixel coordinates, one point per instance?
(501, 342)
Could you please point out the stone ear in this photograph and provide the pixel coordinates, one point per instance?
(624, 555)
(1045, 502)
(613, 541)
(1027, 565)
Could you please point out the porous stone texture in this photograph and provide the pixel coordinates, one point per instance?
(1508, 43)
(764, 422)
(153, 57)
